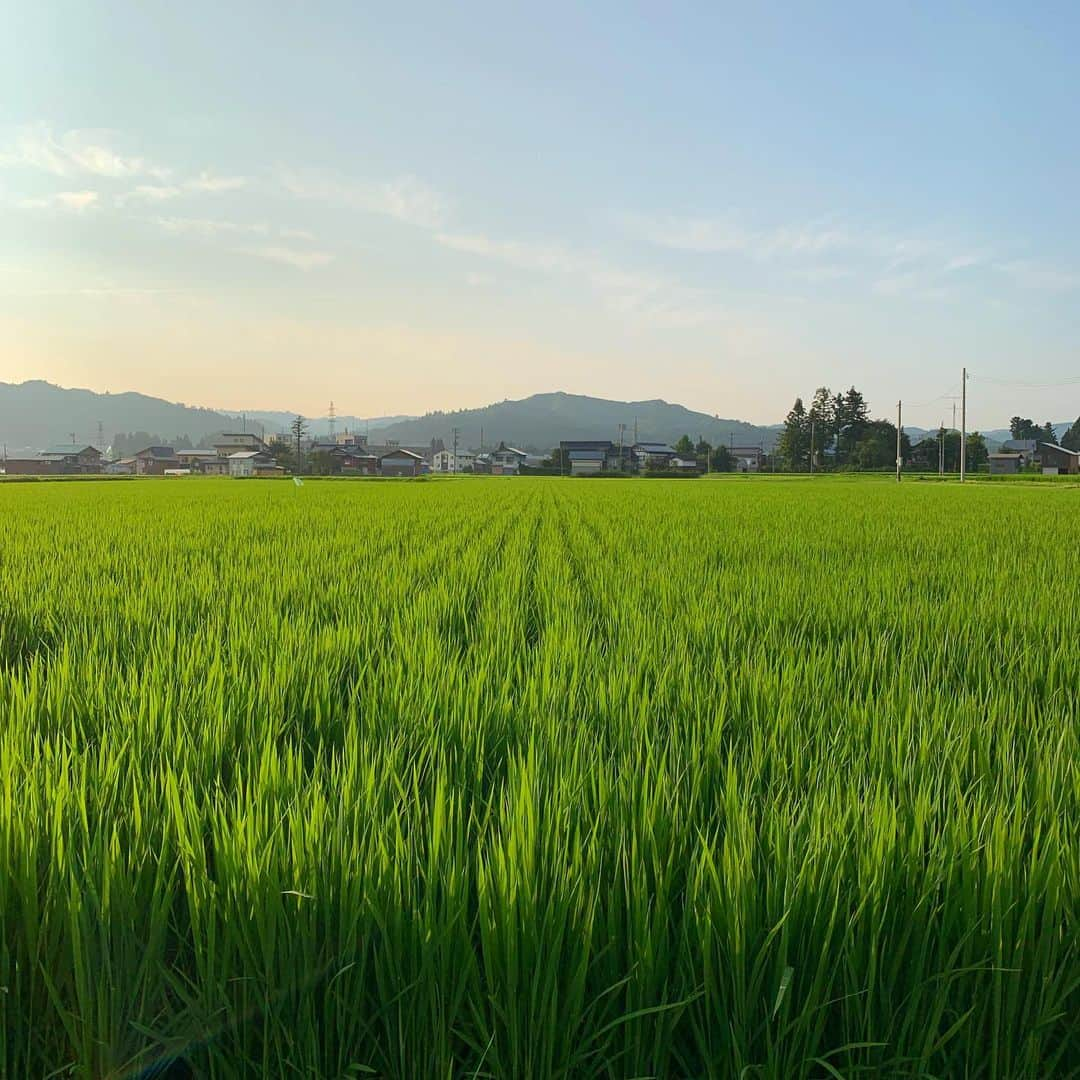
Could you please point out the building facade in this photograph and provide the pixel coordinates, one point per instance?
(444, 461)
(401, 462)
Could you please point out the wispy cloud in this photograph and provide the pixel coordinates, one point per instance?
(206, 183)
(75, 152)
(64, 200)
(298, 259)
(208, 228)
(649, 299)
(95, 153)
(928, 263)
(1040, 274)
(405, 198)
(813, 239)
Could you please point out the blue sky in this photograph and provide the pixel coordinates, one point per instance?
(406, 207)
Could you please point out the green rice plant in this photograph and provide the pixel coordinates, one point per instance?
(535, 778)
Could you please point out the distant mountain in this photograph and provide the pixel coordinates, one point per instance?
(37, 414)
(273, 422)
(994, 436)
(539, 422)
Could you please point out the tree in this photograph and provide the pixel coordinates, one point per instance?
(877, 447)
(793, 447)
(299, 429)
(557, 459)
(1020, 428)
(281, 451)
(1071, 439)
(822, 414)
(722, 461)
(977, 453)
(838, 423)
(1047, 434)
(684, 447)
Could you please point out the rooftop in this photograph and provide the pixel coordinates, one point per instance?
(68, 450)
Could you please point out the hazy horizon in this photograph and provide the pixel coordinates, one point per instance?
(408, 211)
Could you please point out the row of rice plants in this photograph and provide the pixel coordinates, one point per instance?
(538, 778)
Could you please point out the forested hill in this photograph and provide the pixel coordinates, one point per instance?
(38, 414)
(540, 421)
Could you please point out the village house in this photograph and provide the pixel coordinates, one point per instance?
(747, 458)
(154, 460)
(444, 461)
(195, 459)
(73, 458)
(353, 460)
(245, 463)
(651, 456)
(401, 462)
(506, 460)
(229, 442)
(35, 466)
(1057, 461)
(1006, 464)
(684, 465)
(591, 457)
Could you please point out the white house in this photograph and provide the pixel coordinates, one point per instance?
(506, 460)
(242, 463)
(443, 461)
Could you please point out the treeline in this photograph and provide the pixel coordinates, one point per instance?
(1022, 428)
(128, 444)
(837, 431)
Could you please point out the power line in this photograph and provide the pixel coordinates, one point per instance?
(1023, 384)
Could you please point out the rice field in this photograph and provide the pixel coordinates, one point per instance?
(539, 778)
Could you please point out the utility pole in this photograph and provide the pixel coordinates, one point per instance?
(622, 431)
(101, 436)
(941, 452)
(298, 431)
(963, 428)
(453, 467)
(811, 446)
(899, 428)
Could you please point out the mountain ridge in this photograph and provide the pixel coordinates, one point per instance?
(35, 414)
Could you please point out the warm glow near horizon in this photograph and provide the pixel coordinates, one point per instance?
(409, 214)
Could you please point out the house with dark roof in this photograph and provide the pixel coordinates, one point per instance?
(652, 456)
(1005, 464)
(229, 442)
(73, 458)
(154, 460)
(591, 457)
(747, 458)
(506, 460)
(1058, 461)
(401, 462)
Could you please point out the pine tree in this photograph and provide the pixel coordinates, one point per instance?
(1071, 439)
(823, 415)
(793, 449)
